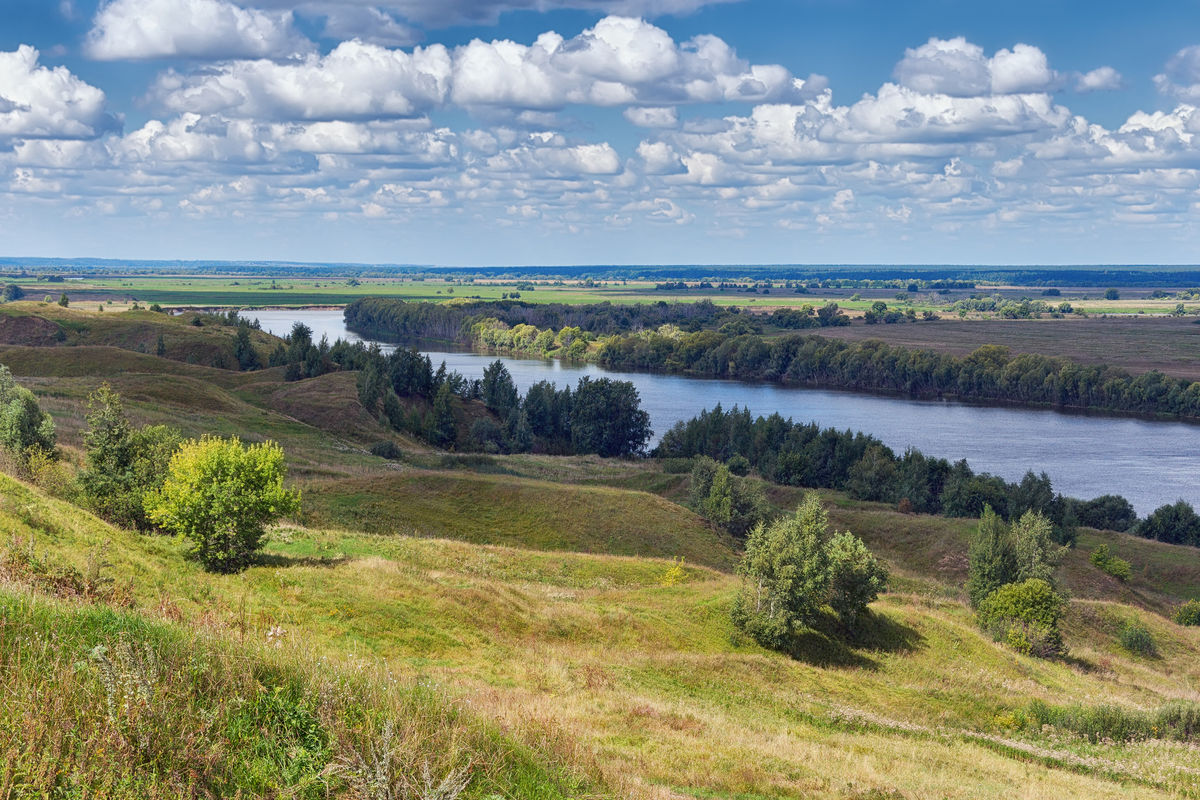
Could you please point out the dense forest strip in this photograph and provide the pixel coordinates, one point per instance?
(680, 339)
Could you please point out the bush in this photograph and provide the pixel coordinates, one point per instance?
(1188, 613)
(1137, 639)
(739, 465)
(24, 427)
(1119, 568)
(856, 577)
(221, 495)
(730, 503)
(1025, 616)
(387, 450)
(1179, 721)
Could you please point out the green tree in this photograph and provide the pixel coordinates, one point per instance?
(499, 391)
(443, 429)
(63, 301)
(371, 386)
(992, 560)
(1176, 523)
(123, 464)
(160, 347)
(1112, 294)
(243, 350)
(725, 500)
(873, 477)
(607, 418)
(24, 428)
(1034, 549)
(221, 495)
(785, 575)
(856, 577)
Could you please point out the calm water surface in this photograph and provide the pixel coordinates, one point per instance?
(1150, 463)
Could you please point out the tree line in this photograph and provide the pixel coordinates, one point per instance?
(601, 416)
(390, 319)
(676, 340)
(799, 454)
(990, 373)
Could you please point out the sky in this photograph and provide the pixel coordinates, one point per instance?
(495, 132)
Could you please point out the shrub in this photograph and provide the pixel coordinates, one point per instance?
(1025, 616)
(387, 450)
(1179, 721)
(1137, 639)
(739, 465)
(1119, 568)
(24, 427)
(1188, 613)
(221, 495)
(856, 576)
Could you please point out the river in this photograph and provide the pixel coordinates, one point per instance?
(1149, 463)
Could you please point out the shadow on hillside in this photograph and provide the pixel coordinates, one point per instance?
(828, 644)
(281, 561)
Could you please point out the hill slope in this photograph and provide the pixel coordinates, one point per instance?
(591, 661)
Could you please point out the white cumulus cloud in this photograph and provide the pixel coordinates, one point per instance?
(619, 61)
(959, 68)
(1101, 79)
(39, 102)
(457, 12)
(354, 81)
(141, 29)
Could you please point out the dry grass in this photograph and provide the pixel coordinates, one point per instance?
(589, 658)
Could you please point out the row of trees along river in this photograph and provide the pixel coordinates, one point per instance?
(1149, 463)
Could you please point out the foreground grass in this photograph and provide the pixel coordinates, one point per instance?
(104, 704)
(594, 661)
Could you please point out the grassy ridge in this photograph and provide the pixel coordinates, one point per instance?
(48, 324)
(591, 659)
(496, 509)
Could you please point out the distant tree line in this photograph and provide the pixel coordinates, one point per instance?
(737, 350)
(990, 373)
(391, 319)
(796, 454)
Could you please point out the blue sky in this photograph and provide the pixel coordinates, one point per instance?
(601, 131)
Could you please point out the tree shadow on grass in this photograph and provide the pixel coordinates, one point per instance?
(829, 644)
(282, 561)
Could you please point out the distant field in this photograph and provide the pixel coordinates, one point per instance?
(264, 291)
(1171, 345)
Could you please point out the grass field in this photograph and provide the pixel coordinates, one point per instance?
(90, 293)
(1137, 344)
(646, 688)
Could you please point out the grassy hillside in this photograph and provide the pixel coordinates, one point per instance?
(596, 665)
(49, 325)
(502, 509)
